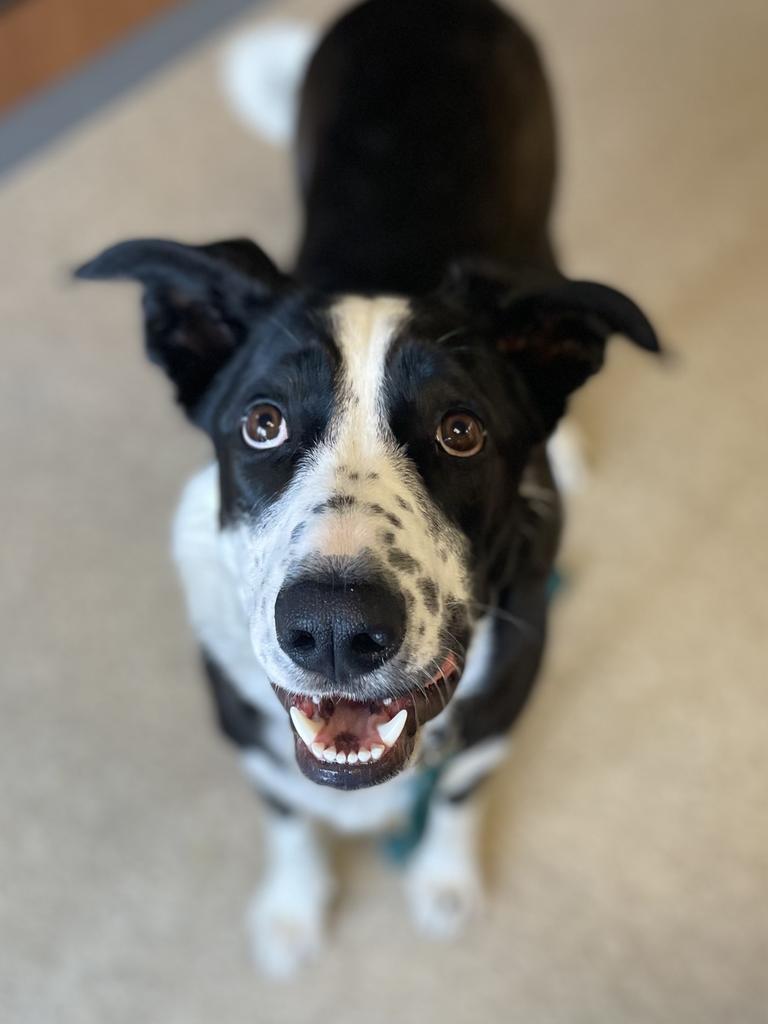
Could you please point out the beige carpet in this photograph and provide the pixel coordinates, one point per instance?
(628, 850)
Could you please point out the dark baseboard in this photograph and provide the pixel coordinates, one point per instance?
(31, 126)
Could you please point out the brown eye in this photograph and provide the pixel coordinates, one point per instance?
(264, 427)
(461, 434)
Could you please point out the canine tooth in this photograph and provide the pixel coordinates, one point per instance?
(304, 726)
(376, 751)
(387, 701)
(341, 758)
(315, 699)
(390, 731)
(352, 757)
(317, 749)
(363, 755)
(329, 754)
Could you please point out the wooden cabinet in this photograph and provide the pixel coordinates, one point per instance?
(42, 40)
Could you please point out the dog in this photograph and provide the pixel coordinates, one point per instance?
(367, 562)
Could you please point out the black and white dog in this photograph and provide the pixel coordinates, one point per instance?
(366, 563)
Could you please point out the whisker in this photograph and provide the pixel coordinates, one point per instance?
(534, 492)
(281, 326)
(451, 334)
(505, 616)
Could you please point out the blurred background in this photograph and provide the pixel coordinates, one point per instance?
(627, 842)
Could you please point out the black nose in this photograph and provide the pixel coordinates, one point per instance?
(339, 629)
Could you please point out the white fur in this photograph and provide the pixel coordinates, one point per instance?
(357, 811)
(210, 584)
(443, 882)
(472, 766)
(262, 69)
(567, 453)
(286, 916)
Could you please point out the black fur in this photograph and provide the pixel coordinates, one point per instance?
(239, 720)
(200, 302)
(426, 135)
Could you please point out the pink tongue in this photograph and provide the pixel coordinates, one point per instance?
(351, 726)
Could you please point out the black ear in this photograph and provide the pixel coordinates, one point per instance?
(554, 330)
(199, 302)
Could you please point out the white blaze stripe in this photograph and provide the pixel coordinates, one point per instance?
(364, 329)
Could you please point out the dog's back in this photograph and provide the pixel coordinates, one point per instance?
(425, 135)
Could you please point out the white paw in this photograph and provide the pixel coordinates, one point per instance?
(443, 897)
(285, 931)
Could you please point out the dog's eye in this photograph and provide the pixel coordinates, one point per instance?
(461, 433)
(264, 427)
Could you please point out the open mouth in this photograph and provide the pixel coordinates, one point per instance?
(351, 744)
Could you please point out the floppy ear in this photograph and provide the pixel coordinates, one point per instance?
(557, 338)
(199, 302)
(554, 330)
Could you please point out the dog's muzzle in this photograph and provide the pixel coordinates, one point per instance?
(355, 723)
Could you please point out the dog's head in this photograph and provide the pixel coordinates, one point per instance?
(370, 452)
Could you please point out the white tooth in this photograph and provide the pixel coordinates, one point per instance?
(352, 758)
(315, 700)
(387, 701)
(363, 755)
(341, 758)
(329, 754)
(376, 751)
(390, 731)
(304, 726)
(317, 749)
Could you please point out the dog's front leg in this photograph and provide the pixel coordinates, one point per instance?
(287, 914)
(443, 882)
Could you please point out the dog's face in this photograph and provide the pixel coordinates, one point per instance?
(370, 452)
